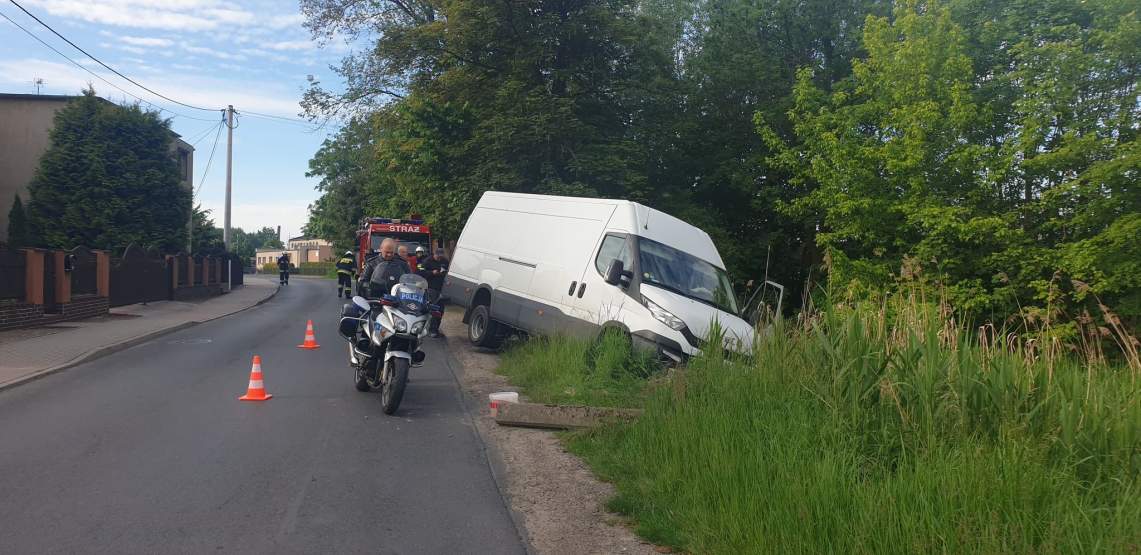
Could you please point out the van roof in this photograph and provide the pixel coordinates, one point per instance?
(627, 216)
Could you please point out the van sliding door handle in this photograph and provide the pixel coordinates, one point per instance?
(571, 290)
(581, 289)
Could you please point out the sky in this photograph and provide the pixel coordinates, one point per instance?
(253, 54)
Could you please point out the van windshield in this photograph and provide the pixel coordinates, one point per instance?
(686, 275)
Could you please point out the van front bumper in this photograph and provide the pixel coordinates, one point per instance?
(664, 347)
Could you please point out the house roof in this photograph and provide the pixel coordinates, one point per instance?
(64, 98)
(22, 96)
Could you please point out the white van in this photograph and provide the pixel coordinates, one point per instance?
(547, 265)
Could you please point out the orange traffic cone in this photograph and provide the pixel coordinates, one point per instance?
(256, 391)
(310, 339)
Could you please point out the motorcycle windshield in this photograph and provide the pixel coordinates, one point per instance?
(412, 293)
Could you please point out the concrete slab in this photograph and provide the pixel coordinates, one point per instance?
(560, 417)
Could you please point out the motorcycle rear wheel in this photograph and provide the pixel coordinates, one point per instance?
(393, 392)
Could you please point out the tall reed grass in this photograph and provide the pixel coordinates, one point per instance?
(872, 428)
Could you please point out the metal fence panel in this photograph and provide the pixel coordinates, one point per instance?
(12, 274)
(139, 277)
(84, 280)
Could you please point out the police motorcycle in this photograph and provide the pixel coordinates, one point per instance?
(385, 336)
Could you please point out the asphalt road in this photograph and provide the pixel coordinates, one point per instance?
(149, 450)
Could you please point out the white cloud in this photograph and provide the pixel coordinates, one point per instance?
(220, 54)
(283, 21)
(185, 15)
(202, 90)
(291, 45)
(146, 41)
(125, 48)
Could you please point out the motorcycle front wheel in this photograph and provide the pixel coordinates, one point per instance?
(397, 370)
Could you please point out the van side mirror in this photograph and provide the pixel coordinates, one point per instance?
(614, 272)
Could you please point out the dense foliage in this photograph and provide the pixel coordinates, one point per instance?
(990, 146)
(17, 225)
(108, 179)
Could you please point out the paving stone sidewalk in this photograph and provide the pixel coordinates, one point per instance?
(29, 353)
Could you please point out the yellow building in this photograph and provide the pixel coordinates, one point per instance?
(300, 250)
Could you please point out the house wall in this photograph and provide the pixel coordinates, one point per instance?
(24, 127)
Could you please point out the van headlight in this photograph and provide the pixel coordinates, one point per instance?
(664, 316)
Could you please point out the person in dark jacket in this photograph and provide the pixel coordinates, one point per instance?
(434, 270)
(283, 268)
(384, 271)
(345, 268)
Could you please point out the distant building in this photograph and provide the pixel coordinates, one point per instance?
(25, 123)
(300, 249)
(310, 249)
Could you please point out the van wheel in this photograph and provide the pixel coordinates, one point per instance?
(482, 330)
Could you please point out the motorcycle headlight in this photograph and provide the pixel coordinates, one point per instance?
(399, 324)
(664, 316)
(417, 328)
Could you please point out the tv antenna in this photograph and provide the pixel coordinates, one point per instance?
(38, 82)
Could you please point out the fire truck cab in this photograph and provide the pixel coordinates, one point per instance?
(411, 233)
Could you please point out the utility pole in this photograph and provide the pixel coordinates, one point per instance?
(229, 184)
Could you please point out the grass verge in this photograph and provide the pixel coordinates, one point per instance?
(867, 429)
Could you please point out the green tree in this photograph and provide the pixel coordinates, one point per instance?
(994, 171)
(109, 179)
(206, 238)
(350, 175)
(18, 235)
(246, 244)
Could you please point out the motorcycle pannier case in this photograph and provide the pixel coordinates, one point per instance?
(349, 314)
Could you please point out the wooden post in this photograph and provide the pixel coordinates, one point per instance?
(33, 276)
(102, 273)
(173, 261)
(62, 279)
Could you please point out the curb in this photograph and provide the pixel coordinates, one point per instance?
(491, 453)
(105, 350)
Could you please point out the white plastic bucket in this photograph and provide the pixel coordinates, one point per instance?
(501, 397)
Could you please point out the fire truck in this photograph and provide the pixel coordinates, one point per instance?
(412, 233)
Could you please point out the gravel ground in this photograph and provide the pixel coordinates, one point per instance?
(553, 492)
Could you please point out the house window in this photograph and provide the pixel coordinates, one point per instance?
(184, 164)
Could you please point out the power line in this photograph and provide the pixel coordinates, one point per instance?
(204, 133)
(206, 171)
(294, 121)
(96, 75)
(111, 69)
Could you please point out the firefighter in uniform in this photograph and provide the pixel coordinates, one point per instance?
(345, 268)
(434, 270)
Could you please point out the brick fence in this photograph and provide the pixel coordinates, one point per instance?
(16, 314)
(83, 306)
(41, 286)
